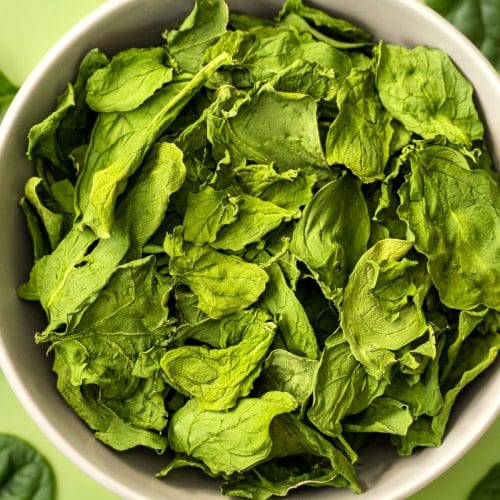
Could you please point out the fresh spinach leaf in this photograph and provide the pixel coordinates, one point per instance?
(290, 189)
(216, 378)
(126, 410)
(332, 233)
(286, 372)
(7, 92)
(42, 138)
(384, 415)
(231, 441)
(263, 128)
(479, 352)
(24, 473)
(321, 19)
(424, 90)
(294, 329)
(224, 284)
(108, 164)
(50, 213)
(291, 436)
(478, 20)
(131, 77)
(342, 387)
(206, 22)
(382, 307)
(255, 219)
(360, 136)
(68, 279)
(463, 256)
(489, 486)
(206, 213)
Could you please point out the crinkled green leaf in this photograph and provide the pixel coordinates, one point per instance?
(219, 333)
(230, 441)
(128, 317)
(281, 476)
(111, 429)
(224, 284)
(68, 279)
(52, 217)
(322, 313)
(267, 53)
(286, 372)
(291, 437)
(41, 245)
(384, 415)
(255, 218)
(131, 77)
(424, 90)
(216, 378)
(206, 213)
(336, 26)
(290, 189)
(385, 220)
(360, 136)
(294, 329)
(423, 397)
(308, 77)
(244, 22)
(463, 256)
(119, 144)
(342, 387)
(382, 307)
(305, 458)
(63, 193)
(183, 460)
(467, 324)
(335, 32)
(74, 129)
(42, 137)
(206, 22)
(263, 129)
(479, 352)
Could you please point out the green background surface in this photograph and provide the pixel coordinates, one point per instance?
(28, 28)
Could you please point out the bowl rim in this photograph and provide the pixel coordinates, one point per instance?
(9, 369)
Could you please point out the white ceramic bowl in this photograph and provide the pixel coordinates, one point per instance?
(124, 23)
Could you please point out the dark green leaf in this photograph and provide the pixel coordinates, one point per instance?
(294, 328)
(24, 473)
(7, 92)
(287, 372)
(108, 164)
(489, 486)
(478, 20)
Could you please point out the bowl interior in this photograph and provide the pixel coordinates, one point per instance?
(122, 24)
